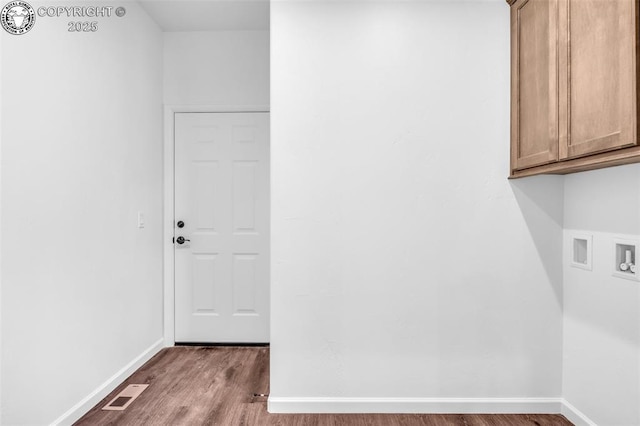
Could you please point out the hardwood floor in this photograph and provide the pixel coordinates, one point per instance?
(215, 386)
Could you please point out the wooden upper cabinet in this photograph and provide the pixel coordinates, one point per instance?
(598, 94)
(574, 93)
(534, 90)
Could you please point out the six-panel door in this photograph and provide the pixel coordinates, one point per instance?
(222, 196)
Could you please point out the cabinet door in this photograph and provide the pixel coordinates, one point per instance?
(534, 83)
(598, 88)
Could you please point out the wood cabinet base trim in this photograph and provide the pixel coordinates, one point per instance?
(598, 161)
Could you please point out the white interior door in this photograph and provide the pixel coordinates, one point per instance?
(222, 197)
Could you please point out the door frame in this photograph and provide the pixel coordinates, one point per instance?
(168, 203)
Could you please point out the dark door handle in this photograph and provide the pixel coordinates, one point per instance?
(181, 240)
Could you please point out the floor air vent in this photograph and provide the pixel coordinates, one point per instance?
(125, 398)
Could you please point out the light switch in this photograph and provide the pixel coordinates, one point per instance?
(140, 220)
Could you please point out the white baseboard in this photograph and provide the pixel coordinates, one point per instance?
(575, 416)
(90, 401)
(416, 405)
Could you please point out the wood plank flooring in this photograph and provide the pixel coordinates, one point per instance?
(215, 386)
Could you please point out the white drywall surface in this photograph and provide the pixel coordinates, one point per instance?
(601, 368)
(217, 68)
(404, 264)
(81, 155)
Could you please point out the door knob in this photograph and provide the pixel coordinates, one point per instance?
(181, 240)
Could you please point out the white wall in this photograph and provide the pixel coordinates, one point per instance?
(81, 155)
(405, 264)
(220, 68)
(601, 370)
(1, 95)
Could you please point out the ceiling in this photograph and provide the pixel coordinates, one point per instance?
(209, 15)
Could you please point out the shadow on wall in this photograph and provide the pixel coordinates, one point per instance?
(541, 202)
(605, 200)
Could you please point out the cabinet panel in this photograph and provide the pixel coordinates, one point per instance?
(598, 62)
(535, 127)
